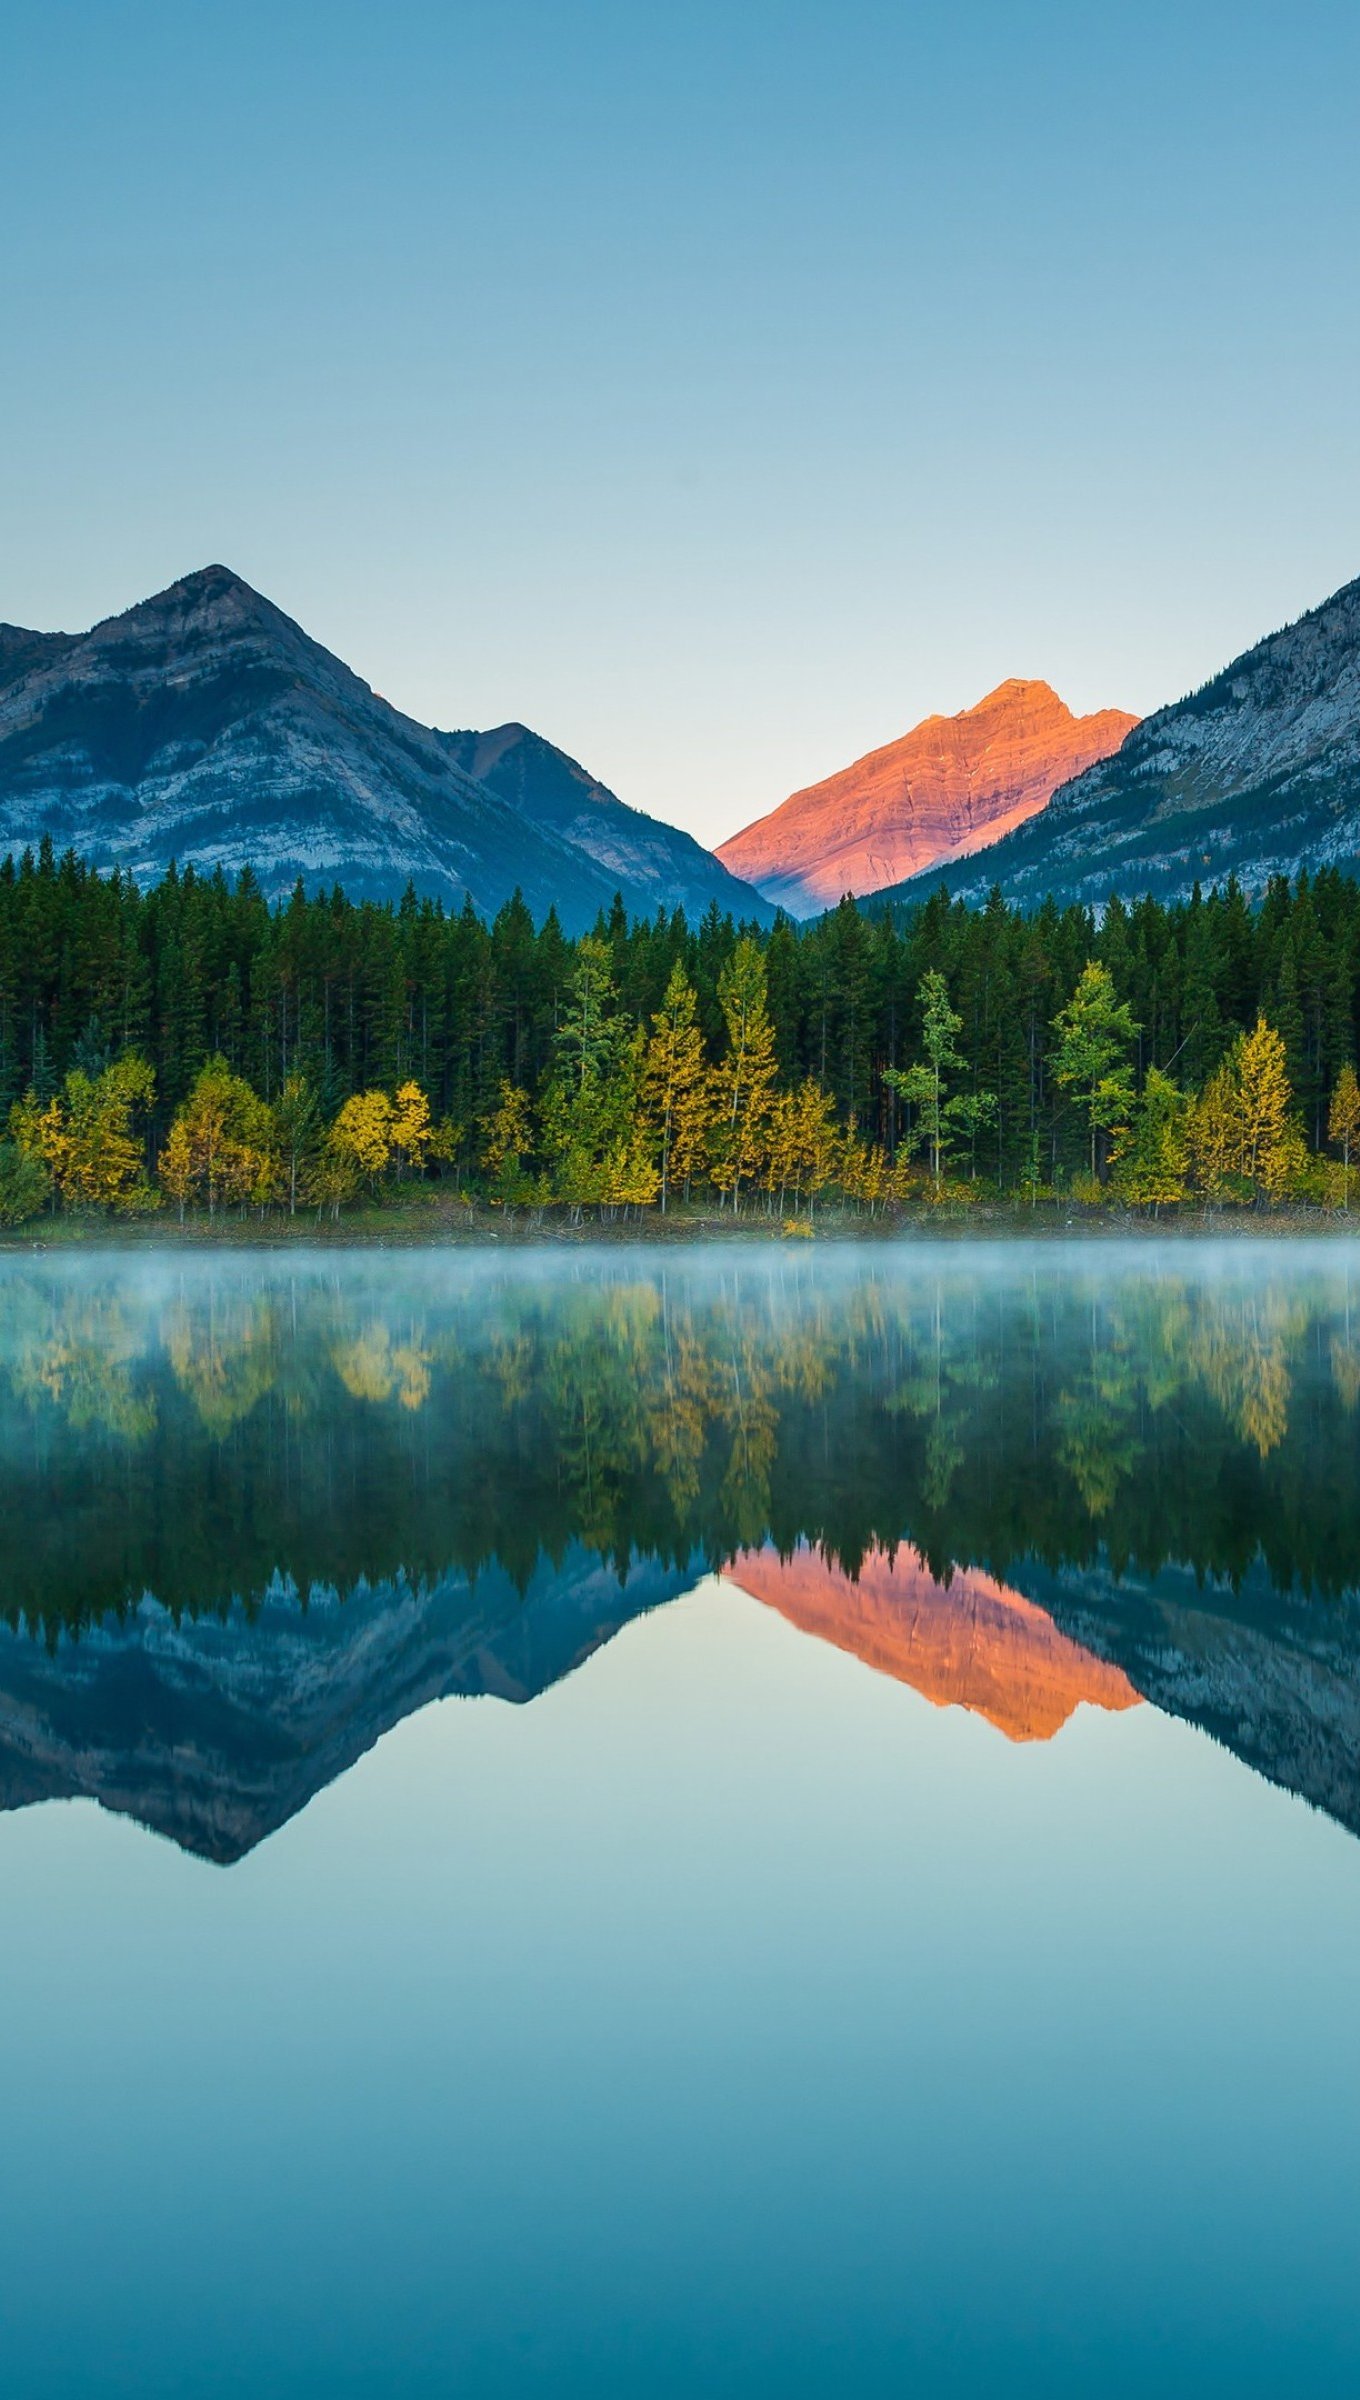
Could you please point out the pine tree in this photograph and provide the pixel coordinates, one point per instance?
(923, 1086)
(297, 1126)
(589, 1114)
(1095, 1033)
(25, 1185)
(1151, 1155)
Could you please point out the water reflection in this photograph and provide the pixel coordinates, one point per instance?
(253, 1512)
(965, 1643)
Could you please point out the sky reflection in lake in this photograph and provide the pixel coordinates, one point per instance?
(837, 1984)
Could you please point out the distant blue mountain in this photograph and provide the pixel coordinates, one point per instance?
(205, 727)
(216, 1729)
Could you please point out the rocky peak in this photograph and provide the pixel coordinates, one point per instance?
(205, 726)
(1256, 774)
(951, 786)
(971, 1643)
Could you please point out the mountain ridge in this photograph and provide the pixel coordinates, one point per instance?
(950, 786)
(1255, 774)
(206, 726)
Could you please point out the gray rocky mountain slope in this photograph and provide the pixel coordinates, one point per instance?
(664, 867)
(215, 1730)
(205, 727)
(1257, 774)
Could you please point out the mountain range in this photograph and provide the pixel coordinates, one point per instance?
(205, 727)
(216, 1729)
(947, 789)
(1254, 775)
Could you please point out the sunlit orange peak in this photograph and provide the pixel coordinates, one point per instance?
(968, 1644)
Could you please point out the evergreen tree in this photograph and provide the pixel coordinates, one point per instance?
(1095, 1033)
(1151, 1155)
(922, 1087)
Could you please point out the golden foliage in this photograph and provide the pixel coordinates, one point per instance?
(86, 1138)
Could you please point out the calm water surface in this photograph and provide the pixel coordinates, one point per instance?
(772, 1822)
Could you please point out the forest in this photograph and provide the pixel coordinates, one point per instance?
(189, 1048)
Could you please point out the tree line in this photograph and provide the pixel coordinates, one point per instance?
(190, 1047)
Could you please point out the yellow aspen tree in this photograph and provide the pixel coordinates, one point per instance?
(689, 1155)
(873, 1177)
(445, 1142)
(41, 1134)
(742, 1084)
(411, 1127)
(331, 1179)
(507, 1139)
(1272, 1147)
(1343, 1123)
(362, 1134)
(672, 1086)
(631, 1177)
(87, 1138)
(223, 1148)
(175, 1166)
(799, 1155)
(202, 1123)
(781, 1165)
(819, 1138)
(1214, 1132)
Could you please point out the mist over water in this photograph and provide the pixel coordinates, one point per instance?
(742, 1820)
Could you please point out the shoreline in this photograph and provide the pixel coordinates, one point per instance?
(456, 1225)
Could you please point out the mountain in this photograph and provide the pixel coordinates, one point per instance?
(215, 1730)
(204, 726)
(951, 787)
(1257, 774)
(970, 1643)
(1266, 1671)
(662, 866)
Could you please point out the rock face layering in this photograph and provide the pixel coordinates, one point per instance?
(953, 786)
(1256, 774)
(205, 727)
(971, 1643)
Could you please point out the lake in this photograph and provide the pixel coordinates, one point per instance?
(748, 1821)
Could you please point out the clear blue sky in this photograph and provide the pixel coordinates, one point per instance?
(718, 388)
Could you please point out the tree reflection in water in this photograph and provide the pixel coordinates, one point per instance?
(1099, 1444)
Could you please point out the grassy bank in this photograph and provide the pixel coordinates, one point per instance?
(434, 1220)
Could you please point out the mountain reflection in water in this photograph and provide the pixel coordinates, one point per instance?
(255, 1510)
(968, 1643)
